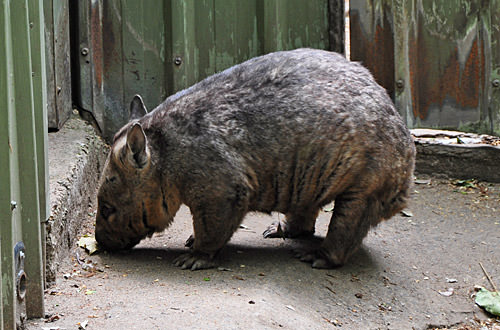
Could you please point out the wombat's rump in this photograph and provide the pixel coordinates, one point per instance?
(287, 132)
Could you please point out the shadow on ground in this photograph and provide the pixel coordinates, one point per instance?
(400, 279)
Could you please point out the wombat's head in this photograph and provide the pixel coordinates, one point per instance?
(132, 201)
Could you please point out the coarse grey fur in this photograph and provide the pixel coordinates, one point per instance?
(288, 132)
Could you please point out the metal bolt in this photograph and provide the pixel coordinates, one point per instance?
(85, 51)
(59, 89)
(31, 25)
(400, 84)
(495, 83)
(13, 205)
(178, 61)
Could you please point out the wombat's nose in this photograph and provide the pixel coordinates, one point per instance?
(104, 242)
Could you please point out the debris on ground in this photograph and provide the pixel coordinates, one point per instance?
(88, 243)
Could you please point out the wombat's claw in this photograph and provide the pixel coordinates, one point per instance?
(315, 258)
(275, 230)
(189, 242)
(194, 261)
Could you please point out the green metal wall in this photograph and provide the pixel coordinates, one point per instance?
(23, 163)
(156, 48)
(440, 60)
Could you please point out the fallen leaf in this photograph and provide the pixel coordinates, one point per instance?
(89, 292)
(290, 307)
(222, 269)
(488, 300)
(52, 318)
(206, 279)
(88, 243)
(82, 325)
(446, 293)
(406, 213)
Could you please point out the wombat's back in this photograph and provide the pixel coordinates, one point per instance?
(279, 116)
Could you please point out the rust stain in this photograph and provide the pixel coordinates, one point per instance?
(432, 81)
(375, 51)
(112, 53)
(96, 42)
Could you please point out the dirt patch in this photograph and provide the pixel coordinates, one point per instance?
(400, 279)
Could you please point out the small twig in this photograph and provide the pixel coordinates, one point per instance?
(330, 289)
(488, 277)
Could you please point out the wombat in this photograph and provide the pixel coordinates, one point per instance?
(288, 132)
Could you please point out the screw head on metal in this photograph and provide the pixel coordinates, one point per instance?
(85, 51)
(178, 60)
(495, 83)
(400, 84)
(13, 205)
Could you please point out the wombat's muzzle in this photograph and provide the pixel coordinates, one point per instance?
(108, 244)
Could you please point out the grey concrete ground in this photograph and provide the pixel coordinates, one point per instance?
(395, 281)
(415, 271)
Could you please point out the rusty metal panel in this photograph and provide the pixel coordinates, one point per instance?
(372, 39)
(446, 65)
(433, 57)
(156, 48)
(58, 66)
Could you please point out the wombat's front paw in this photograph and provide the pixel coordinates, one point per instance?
(194, 261)
(316, 258)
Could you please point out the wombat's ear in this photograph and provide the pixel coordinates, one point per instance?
(137, 153)
(137, 108)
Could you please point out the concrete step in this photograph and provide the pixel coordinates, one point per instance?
(76, 158)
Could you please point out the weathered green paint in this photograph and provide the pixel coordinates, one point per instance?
(34, 236)
(441, 57)
(21, 193)
(156, 48)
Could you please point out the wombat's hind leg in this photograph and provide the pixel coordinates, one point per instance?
(295, 225)
(352, 218)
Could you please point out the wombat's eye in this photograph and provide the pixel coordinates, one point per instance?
(107, 210)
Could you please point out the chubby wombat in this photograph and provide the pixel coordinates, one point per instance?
(288, 132)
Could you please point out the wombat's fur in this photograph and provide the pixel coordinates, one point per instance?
(287, 132)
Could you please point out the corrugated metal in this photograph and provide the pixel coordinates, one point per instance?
(156, 48)
(438, 59)
(23, 170)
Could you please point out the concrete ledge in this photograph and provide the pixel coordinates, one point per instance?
(457, 155)
(76, 158)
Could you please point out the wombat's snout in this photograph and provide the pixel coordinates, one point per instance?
(107, 243)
